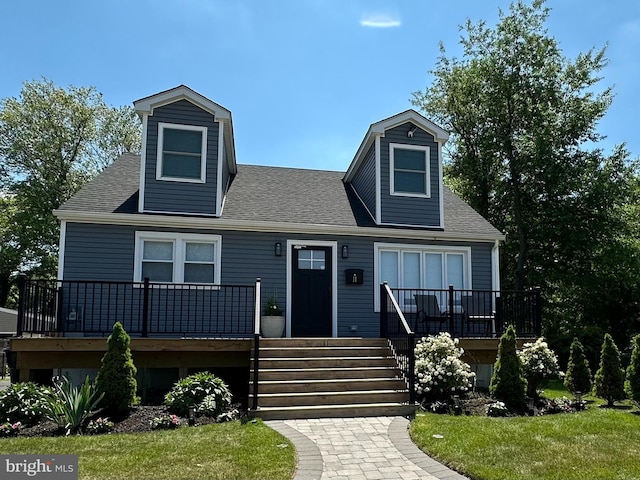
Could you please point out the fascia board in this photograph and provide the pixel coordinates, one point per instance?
(209, 223)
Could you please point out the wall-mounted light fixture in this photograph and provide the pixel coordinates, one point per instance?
(345, 251)
(412, 130)
(278, 249)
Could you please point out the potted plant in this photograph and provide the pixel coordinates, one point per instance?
(273, 321)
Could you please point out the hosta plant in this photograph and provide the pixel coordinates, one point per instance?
(203, 391)
(22, 402)
(440, 371)
(539, 365)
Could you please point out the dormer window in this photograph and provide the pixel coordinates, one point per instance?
(182, 151)
(409, 167)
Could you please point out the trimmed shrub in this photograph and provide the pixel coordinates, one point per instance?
(439, 370)
(539, 364)
(208, 394)
(117, 375)
(632, 383)
(578, 378)
(22, 403)
(609, 379)
(70, 406)
(507, 383)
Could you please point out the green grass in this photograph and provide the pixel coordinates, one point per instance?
(598, 443)
(219, 451)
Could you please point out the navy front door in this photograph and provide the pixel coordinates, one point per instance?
(311, 295)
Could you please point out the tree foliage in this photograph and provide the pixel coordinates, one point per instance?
(609, 379)
(632, 382)
(52, 140)
(507, 383)
(117, 375)
(578, 376)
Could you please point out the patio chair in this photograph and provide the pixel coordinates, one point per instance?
(477, 310)
(428, 312)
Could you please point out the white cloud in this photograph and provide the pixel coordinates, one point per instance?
(380, 21)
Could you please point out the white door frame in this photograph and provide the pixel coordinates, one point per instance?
(334, 279)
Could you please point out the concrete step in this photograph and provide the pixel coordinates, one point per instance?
(333, 385)
(334, 411)
(332, 398)
(326, 362)
(333, 351)
(328, 373)
(322, 342)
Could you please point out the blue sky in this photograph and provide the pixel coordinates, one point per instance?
(303, 79)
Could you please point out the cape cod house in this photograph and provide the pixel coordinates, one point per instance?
(172, 242)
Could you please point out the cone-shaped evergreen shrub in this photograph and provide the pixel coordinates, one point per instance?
(609, 379)
(632, 384)
(578, 378)
(507, 383)
(117, 375)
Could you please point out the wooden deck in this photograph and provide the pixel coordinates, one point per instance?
(43, 353)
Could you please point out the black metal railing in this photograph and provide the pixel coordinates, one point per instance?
(470, 313)
(90, 308)
(256, 346)
(394, 327)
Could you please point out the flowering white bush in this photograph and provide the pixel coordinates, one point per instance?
(439, 370)
(539, 364)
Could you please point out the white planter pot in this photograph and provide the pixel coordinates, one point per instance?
(272, 326)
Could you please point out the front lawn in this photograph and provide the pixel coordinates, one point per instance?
(217, 451)
(598, 443)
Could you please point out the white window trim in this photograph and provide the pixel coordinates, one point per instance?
(179, 250)
(422, 249)
(203, 153)
(426, 150)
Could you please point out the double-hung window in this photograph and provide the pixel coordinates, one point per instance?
(421, 267)
(409, 167)
(177, 258)
(182, 153)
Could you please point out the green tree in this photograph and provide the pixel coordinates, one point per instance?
(609, 379)
(632, 383)
(117, 375)
(507, 383)
(52, 140)
(523, 122)
(578, 377)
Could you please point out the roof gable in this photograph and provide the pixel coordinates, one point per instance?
(379, 129)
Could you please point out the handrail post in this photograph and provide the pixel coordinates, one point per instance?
(145, 308)
(256, 344)
(384, 310)
(412, 368)
(22, 281)
(451, 312)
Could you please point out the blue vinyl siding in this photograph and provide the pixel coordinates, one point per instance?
(364, 181)
(106, 252)
(409, 210)
(179, 197)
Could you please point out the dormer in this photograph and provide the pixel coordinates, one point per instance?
(397, 171)
(188, 153)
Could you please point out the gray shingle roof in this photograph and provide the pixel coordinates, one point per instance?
(269, 194)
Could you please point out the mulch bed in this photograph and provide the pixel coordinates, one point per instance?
(138, 420)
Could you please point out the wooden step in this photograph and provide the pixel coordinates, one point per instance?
(326, 362)
(322, 342)
(333, 351)
(331, 398)
(332, 385)
(334, 411)
(331, 372)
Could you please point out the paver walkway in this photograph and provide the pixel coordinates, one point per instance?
(363, 448)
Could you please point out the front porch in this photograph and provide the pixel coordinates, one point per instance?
(183, 328)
